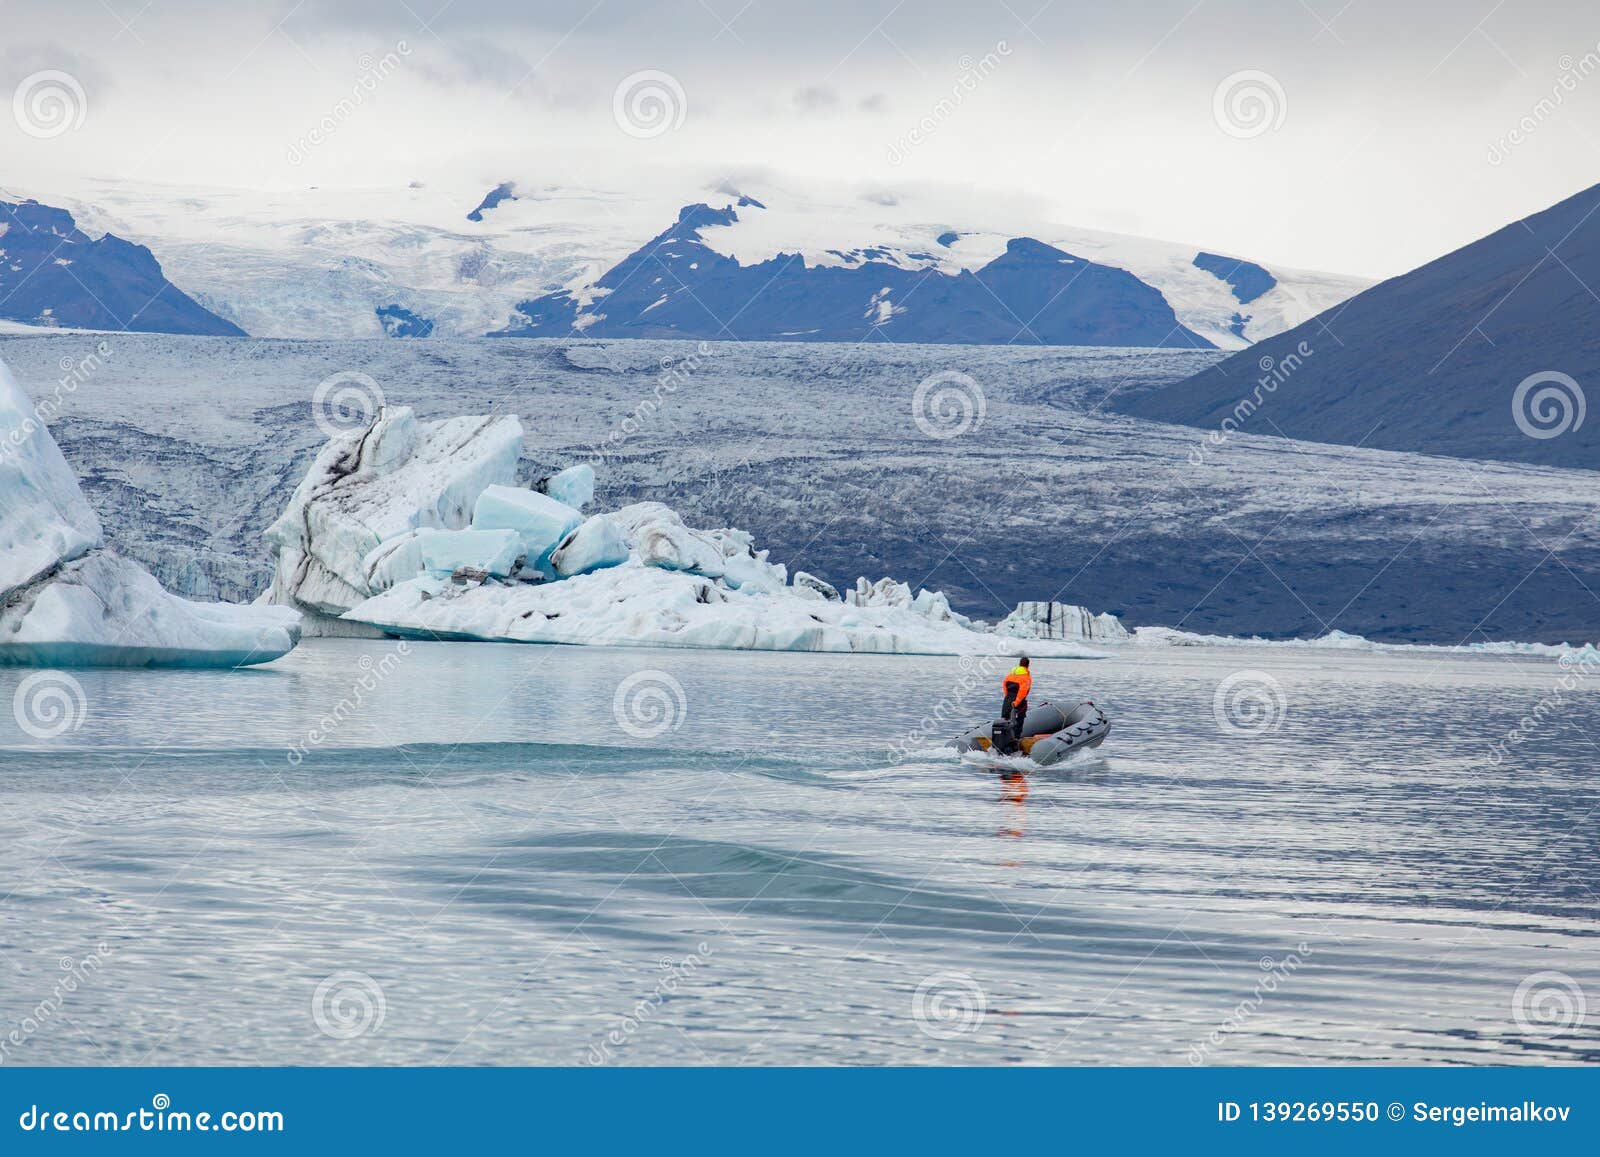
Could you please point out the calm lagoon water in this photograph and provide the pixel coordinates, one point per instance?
(479, 854)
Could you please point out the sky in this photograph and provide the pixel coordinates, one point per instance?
(1354, 136)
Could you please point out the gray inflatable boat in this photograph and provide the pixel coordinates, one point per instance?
(1049, 733)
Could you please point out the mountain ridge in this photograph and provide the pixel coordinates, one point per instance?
(52, 273)
(679, 286)
(1485, 352)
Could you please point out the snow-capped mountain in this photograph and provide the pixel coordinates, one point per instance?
(805, 270)
(52, 273)
(679, 285)
(1484, 353)
(472, 260)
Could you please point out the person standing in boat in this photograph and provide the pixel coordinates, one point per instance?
(1014, 707)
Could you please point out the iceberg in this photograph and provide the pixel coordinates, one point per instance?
(347, 531)
(646, 606)
(1053, 620)
(417, 530)
(68, 601)
(102, 610)
(44, 518)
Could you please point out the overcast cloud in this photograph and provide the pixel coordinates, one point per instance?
(1363, 137)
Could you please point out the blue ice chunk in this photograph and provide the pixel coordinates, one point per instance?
(492, 551)
(597, 544)
(574, 486)
(540, 521)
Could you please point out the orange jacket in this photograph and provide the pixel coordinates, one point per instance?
(1024, 681)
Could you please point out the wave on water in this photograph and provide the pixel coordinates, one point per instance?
(410, 760)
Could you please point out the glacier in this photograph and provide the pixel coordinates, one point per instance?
(67, 601)
(379, 538)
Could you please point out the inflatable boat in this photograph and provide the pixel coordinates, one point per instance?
(1049, 734)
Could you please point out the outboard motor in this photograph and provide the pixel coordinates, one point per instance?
(1002, 739)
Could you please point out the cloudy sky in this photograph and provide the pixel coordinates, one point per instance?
(1360, 137)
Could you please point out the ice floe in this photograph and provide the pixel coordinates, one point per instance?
(1343, 641)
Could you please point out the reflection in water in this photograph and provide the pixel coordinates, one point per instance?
(1014, 791)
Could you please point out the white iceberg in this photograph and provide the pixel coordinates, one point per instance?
(102, 610)
(1053, 620)
(65, 600)
(44, 517)
(346, 532)
(640, 605)
(639, 576)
